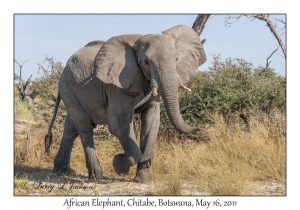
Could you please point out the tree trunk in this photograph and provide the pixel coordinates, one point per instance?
(199, 23)
(246, 120)
(23, 90)
(273, 30)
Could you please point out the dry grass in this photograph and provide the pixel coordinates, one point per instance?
(228, 162)
(21, 110)
(225, 165)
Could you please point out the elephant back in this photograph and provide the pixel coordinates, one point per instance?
(80, 65)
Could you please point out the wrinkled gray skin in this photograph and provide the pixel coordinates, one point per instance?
(107, 82)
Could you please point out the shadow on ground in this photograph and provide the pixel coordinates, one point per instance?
(46, 175)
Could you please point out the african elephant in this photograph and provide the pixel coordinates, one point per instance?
(106, 82)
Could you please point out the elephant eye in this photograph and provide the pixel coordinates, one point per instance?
(176, 59)
(146, 62)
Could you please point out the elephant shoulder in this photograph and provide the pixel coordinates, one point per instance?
(80, 64)
(96, 42)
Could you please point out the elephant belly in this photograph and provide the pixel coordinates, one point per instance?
(97, 114)
(92, 99)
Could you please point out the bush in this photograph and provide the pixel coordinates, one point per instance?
(46, 87)
(22, 111)
(233, 89)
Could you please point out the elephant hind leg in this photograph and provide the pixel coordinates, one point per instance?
(84, 126)
(92, 162)
(81, 123)
(62, 159)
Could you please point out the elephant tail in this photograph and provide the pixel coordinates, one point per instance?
(48, 137)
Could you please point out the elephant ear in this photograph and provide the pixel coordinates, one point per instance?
(190, 52)
(116, 63)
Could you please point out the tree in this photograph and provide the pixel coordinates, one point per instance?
(23, 89)
(199, 23)
(230, 20)
(233, 89)
(16, 77)
(201, 20)
(46, 87)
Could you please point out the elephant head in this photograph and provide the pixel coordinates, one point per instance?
(163, 62)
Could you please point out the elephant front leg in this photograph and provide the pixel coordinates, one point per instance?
(132, 153)
(150, 126)
(120, 124)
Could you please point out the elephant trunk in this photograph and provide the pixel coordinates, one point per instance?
(169, 92)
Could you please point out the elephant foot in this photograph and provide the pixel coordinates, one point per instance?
(98, 175)
(120, 169)
(66, 170)
(143, 174)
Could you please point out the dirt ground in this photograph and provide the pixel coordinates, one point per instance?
(42, 182)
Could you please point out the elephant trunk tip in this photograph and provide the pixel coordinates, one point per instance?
(198, 128)
(188, 128)
(195, 129)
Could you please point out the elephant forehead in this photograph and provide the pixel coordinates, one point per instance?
(81, 63)
(157, 41)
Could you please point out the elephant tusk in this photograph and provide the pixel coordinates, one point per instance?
(154, 91)
(185, 88)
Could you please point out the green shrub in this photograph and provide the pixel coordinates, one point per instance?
(46, 88)
(22, 111)
(233, 89)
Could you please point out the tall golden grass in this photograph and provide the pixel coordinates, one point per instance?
(21, 110)
(231, 159)
(225, 165)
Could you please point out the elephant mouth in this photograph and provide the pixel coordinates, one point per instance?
(154, 89)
